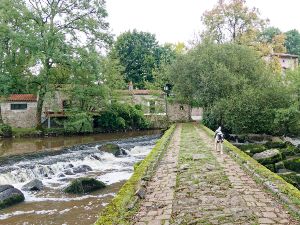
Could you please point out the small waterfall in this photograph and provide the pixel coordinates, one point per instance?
(55, 169)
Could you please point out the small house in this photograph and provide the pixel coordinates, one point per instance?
(19, 110)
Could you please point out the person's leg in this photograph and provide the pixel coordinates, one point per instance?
(221, 147)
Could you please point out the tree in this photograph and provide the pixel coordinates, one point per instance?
(210, 72)
(139, 53)
(59, 29)
(292, 42)
(232, 22)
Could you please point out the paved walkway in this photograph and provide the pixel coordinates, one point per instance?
(196, 185)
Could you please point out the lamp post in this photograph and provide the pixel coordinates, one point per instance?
(166, 89)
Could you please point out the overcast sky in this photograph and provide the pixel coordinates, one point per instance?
(178, 20)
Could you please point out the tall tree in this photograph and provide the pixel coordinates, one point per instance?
(232, 21)
(60, 27)
(292, 42)
(139, 53)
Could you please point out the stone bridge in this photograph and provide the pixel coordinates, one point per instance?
(194, 184)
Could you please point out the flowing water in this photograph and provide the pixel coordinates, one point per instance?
(57, 168)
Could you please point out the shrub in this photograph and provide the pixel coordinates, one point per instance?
(121, 117)
(79, 123)
(5, 130)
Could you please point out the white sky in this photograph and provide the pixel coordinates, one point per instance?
(178, 20)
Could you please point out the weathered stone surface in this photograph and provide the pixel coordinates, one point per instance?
(82, 169)
(141, 193)
(84, 185)
(268, 157)
(10, 196)
(34, 185)
(112, 148)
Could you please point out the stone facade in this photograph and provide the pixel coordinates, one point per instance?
(21, 118)
(179, 112)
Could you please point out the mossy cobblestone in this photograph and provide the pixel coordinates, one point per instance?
(210, 188)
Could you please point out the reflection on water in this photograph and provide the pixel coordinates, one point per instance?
(15, 146)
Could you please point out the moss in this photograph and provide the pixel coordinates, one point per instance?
(292, 178)
(84, 185)
(292, 164)
(279, 144)
(290, 150)
(11, 200)
(117, 211)
(270, 167)
(284, 187)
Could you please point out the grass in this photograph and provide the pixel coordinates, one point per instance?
(117, 212)
(24, 132)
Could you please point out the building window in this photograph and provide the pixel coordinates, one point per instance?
(18, 106)
(181, 107)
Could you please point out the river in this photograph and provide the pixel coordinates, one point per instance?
(53, 161)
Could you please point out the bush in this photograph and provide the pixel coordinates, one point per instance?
(5, 130)
(121, 117)
(79, 123)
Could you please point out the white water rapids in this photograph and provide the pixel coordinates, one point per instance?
(56, 171)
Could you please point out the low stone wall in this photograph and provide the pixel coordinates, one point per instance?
(125, 204)
(286, 192)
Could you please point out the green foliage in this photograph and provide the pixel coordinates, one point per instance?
(5, 130)
(121, 116)
(292, 42)
(139, 53)
(79, 122)
(287, 120)
(211, 72)
(292, 164)
(221, 28)
(117, 211)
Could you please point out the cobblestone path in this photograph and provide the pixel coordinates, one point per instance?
(210, 188)
(157, 205)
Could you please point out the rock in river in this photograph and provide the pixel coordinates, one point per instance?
(84, 185)
(10, 196)
(112, 148)
(268, 157)
(82, 169)
(34, 185)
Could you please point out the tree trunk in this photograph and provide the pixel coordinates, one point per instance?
(39, 111)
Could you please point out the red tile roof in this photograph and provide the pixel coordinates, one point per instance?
(140, 92)
(22, 98)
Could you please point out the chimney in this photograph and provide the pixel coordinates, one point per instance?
(130, 86)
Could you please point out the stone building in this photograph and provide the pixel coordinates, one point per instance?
(19, 110)
(287, 61)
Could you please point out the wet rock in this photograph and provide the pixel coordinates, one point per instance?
(113, 148)
(84, 185)
(268, 157)
(61, 175)
(279, 166)
(34, 185)
(95, 157)
(82, 169)
(293, 164)
(68, 172)
(10, 196)
(279, 144)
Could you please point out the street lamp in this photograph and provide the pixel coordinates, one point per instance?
(166, 90)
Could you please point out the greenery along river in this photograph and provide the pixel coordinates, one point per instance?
(57, 168)
(280, 157)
